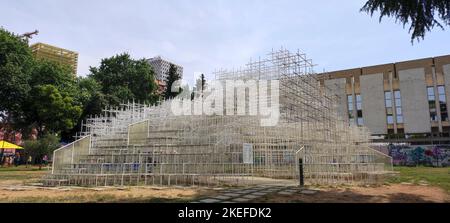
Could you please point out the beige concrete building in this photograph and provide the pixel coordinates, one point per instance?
(398, 102)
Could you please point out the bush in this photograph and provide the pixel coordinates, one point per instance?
(37, 149)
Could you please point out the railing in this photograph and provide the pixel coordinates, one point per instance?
(70, 153)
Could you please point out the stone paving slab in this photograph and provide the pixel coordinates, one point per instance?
(308, 192)
(249, 192)
(272, 190)
(232, 195)
(241, 199)
(222, 197)
(259, 193)
(241, 192)
(251, 196)
(209, 200)
(285, 193)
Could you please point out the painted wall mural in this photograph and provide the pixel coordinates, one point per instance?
(438, 156)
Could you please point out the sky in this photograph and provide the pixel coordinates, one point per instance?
(205, 35)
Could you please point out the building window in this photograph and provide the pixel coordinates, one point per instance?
(443, 103)
(350, 102)
(398, 106)
(432, 104)
(359, 120)
(351, 117)
(390, 119)
(358, 102)
(389, 111)
(388, 99)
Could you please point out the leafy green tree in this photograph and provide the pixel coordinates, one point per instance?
(124, 79)
(51, 84)
(90, 96)
(92, 100)
(51, 111)
(422, 14)
(37, 149)
(34, 93)
(16, 62)
(172, 77)
(46, 72)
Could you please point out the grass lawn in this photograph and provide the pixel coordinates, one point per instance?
(418, 175)
(11, 177)
(394, 192)
(22, 173)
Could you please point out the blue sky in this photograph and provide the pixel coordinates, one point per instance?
(203, 35)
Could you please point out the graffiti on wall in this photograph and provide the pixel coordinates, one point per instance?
(438, 156)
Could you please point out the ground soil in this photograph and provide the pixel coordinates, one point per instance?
(395, 193)
(17, 186)
(126, 194)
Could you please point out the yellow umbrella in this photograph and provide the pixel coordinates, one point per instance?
(7, 145)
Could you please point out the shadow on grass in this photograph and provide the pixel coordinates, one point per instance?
(346, 196)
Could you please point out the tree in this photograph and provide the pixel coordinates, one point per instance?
(54, 86)
(16, 62)
(41, 147)
(34, 93)
(90, 96)
(172, 77)
(124, 79)
(92, 100)
(201, 83)
(422, 14)
(50, 111)
(48, 72)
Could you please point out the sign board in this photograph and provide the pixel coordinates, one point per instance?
(247, 153)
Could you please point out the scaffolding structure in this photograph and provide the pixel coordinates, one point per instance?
(137, 144)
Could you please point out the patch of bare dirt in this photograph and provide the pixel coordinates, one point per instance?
(397, 193)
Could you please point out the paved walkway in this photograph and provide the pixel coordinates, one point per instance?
(243, 195)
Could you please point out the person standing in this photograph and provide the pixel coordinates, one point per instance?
(17, 159)
(6, 161)
(29, 161)
(45, 159)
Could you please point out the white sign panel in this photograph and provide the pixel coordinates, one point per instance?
(247, 153)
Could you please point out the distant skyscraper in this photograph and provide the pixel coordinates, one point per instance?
(161, 68)
(56, 54)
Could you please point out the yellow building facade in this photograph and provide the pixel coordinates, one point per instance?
(56, 54)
